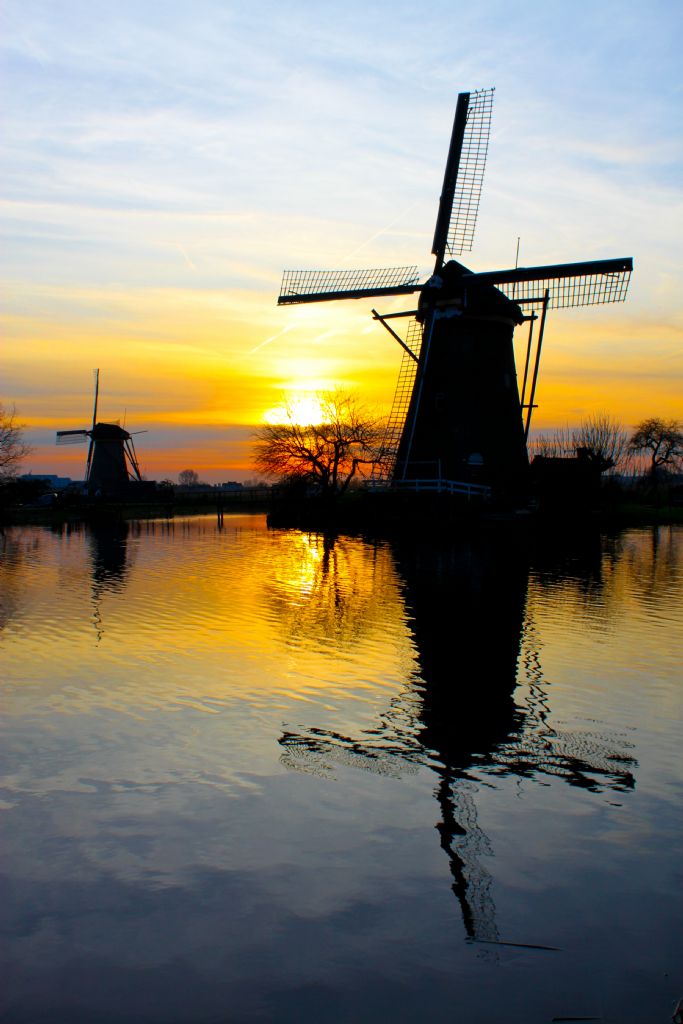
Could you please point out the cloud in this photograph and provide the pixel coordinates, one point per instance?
(163, 163)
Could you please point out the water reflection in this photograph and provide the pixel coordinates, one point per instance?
(12, 550)
(327, 592)
(109, 555)
(467, 607)
(108, 542)
(21, 550)
(159, 860)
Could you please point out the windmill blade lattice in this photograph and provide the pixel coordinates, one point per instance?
(326, 285)
(384, 467)
(96, 382)
(72, 436)
(464, 175)
(569, 284)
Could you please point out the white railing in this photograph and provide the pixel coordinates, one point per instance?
(434, 486)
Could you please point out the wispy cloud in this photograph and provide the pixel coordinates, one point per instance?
(163, 162)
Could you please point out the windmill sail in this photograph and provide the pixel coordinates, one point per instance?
(132, 457)
(384, 467)
(569, 284)
(464, 175)
(96, 377)
(88, 465)
(326, 285)
(72, 436)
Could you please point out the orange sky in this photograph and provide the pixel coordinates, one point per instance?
(159, 177)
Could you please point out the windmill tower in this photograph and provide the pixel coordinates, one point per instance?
(112, 461)
(459, 414)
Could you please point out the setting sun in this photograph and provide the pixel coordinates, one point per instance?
(304, 409)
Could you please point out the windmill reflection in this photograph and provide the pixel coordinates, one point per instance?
(466, 606)
(109, 554)
(109, 558)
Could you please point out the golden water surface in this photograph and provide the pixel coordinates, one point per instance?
(251, 774)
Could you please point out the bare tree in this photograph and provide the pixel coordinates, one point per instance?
(13, 448)
(328, 454)
(599, 436)
(557, 445)
(188, 478)
(604, 439)
(662, 440)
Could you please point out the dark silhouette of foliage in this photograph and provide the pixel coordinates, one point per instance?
(662, 440)
(13, 448)
(188, 478)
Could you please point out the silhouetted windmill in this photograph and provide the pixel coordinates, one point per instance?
(458, 414)
(112, 462)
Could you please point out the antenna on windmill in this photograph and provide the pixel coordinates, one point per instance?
(458, 417)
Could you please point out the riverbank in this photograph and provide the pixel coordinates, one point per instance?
(97, 510)
(387, 513)
(357, 513)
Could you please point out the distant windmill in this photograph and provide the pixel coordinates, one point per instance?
(458, 414)
(112, 462)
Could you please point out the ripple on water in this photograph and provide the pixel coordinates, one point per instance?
(211, 735)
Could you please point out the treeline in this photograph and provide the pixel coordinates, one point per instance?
(654, 449)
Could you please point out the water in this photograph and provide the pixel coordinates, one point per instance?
(253, 775)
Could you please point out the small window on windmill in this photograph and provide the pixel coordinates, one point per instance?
(475, 459)
(440, 401)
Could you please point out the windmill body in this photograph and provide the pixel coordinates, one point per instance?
(112, 463)
(462, 412)
(464, 419)
(110, 468)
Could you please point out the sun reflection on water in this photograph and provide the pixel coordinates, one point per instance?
(157, 613)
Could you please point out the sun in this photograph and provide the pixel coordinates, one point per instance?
(302, 409)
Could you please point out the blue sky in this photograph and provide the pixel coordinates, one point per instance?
(163, 162)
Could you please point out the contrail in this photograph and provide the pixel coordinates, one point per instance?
(325, 334)
(183, 253)
(262, 344)
(381, 231)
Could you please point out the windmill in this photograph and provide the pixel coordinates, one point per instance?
(112, 462)
(459, 415)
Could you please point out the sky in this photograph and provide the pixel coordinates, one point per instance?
(163, 162)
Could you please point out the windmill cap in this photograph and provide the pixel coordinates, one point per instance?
(109, 432)
(454, 281)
